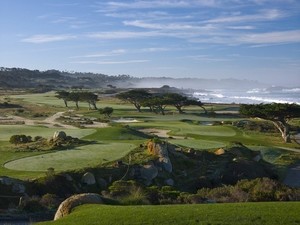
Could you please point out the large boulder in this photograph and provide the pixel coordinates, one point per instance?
(16, 186)
(88, 178)
(148, 173)
(166, 163)
(160, 149)
(169, 182)
(67, 205)
(59, 135)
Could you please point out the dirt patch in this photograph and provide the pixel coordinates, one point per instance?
(50, 122)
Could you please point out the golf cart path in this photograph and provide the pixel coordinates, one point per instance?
(52, 121)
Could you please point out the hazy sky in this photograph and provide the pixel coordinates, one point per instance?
(245, 39)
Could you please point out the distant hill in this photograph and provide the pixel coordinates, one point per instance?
(53, 79)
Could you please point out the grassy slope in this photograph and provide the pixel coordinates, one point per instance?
(285, 213)
(186, 125)
(79, 157)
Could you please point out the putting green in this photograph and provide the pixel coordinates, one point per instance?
(221, 131)
(80, 157)
(6, 131)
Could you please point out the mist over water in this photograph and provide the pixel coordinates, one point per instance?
(250, 96)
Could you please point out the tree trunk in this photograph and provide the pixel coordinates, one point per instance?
(205, 111)
(94, 105)
(66, 103)
(138, 107)
(284, 129)
(179, 108)
(76, 103)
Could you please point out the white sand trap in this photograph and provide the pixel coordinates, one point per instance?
(126, 120)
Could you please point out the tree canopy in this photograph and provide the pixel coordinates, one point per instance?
(278, 113)
(77, 96)
(135, 97)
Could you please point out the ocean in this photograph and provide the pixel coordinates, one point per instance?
(251, 96)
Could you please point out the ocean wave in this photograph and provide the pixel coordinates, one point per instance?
(218, 95)
(200, 94)
(262, 100)
(258, 90)
(242, 97)
(291, 90)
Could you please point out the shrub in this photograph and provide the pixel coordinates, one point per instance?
(32, 205)
(20, 139)
(50, 201)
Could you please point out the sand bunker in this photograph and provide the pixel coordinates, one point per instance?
(126, 120)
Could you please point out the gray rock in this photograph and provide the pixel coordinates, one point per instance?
(88, 178)
(169, 182)
(60, 135)
(67, 205)
(149, 172)
(17, 186)
(102, 183)
(257, 158)
(68, 177)
(166, 163)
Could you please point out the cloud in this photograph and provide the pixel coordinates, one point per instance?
(258, 39)
(270, 14)
(119, 6)
(168, 26)
(241, 27)
(279, 37)
(44, 38)
(115, 52)
(111, 62)
(124, 34)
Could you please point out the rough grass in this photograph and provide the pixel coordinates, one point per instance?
(197, 144)
(6, 131)
(80, 157)
(284, 213)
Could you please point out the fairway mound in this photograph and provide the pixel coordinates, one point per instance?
(67, 205)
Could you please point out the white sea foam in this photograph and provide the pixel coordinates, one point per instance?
(294, 90)
(258, 90)
(254, 96)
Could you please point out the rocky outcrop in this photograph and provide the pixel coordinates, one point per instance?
(17, 186)
(59, 135)
(160, 149)
(148, 173)
(88, 178)
(67, 205)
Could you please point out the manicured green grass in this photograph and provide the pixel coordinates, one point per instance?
(79, 157)
(192, 124)
(40, 99)
(271, 213)
(116, 133)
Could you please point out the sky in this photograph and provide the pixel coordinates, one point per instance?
(243, 39)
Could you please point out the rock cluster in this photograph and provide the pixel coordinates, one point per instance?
(67, 205)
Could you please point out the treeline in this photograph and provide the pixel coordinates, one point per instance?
(78, 96)
(51, 79)
(158, 102)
